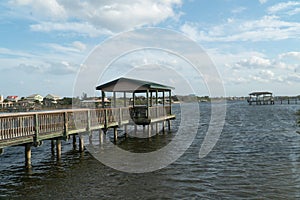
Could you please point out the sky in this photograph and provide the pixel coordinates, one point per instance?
(253, 44)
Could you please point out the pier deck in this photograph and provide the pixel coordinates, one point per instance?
(33, 127)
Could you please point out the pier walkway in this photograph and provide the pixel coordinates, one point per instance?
(31, 128)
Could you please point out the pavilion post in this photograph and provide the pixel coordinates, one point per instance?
(115, 99)
(147, 97)
(124, 99)
(156, 100)
(103, 97)
(151, 100)
(133, 99)
(170, 103)
(163, 98)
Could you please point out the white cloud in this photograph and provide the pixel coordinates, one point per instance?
(55, 68)
(238, 10)
(98, 17)
(49, 9)
(255, 69)
(75, 47)
(77, 27)
(254, 62)
(263, 1)
(79, 45)
(291, 55)
(289, 7)
(268, 28)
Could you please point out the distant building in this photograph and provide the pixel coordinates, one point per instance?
(35, 97)
(95, 102)
(1, 98)
(12, 98)
(51, 99)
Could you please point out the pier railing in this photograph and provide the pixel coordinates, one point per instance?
(20, 128)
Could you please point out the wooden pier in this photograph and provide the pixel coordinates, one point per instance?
(32, 128)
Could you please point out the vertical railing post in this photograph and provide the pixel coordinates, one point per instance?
(88, 127)
(120, 116)
(170, 103)
(105, 118)
(36, 129)
(147, 97)
(65, 133)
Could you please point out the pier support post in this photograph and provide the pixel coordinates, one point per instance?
(28, 155)
(100, 137)
(74, 142)
(91, 139)
(169, 125)
(149, 131)
(81, 144)
(1, 151)
(52, 148)
(135, 129)
(115, 134)
(126, 131)
(58, 149)
(143, 129)
(163, 126)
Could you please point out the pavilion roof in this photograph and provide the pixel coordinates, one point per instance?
(132, 85)
(260, 93)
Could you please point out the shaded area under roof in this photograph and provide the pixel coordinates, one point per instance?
(260, 93)
(132, 85)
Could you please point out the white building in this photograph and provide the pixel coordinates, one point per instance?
(35, 97)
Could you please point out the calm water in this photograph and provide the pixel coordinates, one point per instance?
(256, 157)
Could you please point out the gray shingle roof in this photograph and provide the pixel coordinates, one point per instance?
(132, 85)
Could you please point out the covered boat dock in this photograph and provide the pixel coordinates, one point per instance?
(261, 98)
(144, 109)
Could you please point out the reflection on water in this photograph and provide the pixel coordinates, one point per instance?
(256, 157)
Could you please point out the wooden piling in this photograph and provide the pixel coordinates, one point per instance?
(169, 125)
(58, 149)
(115, 134)
(149, 131)
(126, 131)
(74, 142)
(28, 156)
(135, 128)
(1, 151)
(100, 137)
(81, 144)
(52, 148)
(91, 139)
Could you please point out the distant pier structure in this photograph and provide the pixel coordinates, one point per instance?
(261, 98)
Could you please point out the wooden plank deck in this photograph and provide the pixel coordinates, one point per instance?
(33, 127)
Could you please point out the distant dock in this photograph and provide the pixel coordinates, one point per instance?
(267, 98)
(260, 98)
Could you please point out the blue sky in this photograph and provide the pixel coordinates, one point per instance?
(254, 44)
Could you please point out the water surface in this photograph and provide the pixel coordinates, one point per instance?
(256, 157)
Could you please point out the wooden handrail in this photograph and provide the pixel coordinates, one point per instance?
(58, 123)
